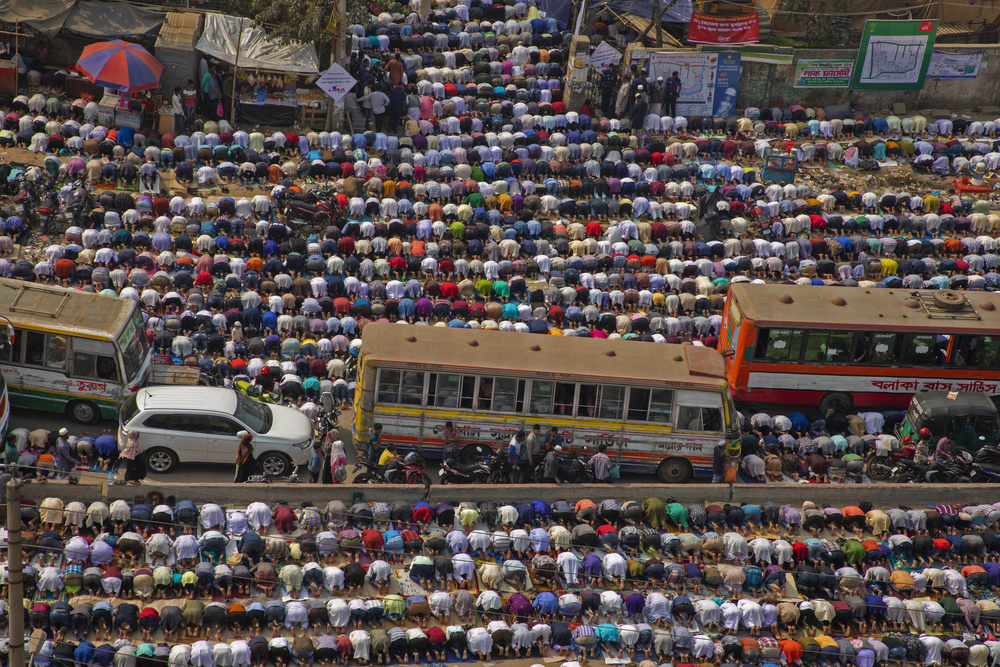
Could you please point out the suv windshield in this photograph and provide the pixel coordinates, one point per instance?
(128, 410)
(255, 415)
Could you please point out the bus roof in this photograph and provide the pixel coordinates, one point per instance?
(476, 350)
(855, 308)
(56, 308)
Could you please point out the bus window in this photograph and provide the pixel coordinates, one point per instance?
(508, 395)
(699, 411)
(19, 343)
(976, 351)
(829, 347)
(87, 365)
(388, 386)
(612, 402)
(34, 345)
(540, 402)
(484, 399)
(661, 405)
(6, 351)
(638, 404)
(586, 404)
(565, 398)
(411, 390)
(779, 344)
(445, 393)
(882, 348)
(468, 391)
(56, 350)
(920, 350)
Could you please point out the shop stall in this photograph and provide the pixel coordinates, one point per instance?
(270, 79)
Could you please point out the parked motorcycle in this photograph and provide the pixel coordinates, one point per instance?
(880, 461)
(455, 472)
(400, 470)
(48, 206)
(905, 471)
(986, 465)
(572, 469)
(955, 470)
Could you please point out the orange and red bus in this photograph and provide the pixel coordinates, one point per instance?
(846, 347)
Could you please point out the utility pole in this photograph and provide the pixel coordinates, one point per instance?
(15, 578)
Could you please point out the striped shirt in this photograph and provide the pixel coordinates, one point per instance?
(601, 465)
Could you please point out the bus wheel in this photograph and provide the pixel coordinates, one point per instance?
(474, 452)
(84, 412)
(161, 460)
(836, 401)
(674, 471)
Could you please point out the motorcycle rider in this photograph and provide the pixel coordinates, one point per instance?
(922, 453)
(945, 447)
(388, 454)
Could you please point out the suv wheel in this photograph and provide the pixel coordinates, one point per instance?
(160, 460)
(274, 464)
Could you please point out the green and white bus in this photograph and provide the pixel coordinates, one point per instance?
(70, 351)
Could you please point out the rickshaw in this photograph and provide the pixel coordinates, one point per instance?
(971, 416)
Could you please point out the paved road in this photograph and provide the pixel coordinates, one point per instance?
(202, 473)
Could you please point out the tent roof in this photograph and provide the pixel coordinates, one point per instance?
(111, 20)
(222, 35)
(107, 20)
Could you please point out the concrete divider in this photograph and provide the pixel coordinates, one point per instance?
(838, 495)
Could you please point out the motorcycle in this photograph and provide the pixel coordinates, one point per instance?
(400, 470)
(455, 472)
(955, 470)
(47, 209)
(571, 469)
(79, 204)
(880, 461)
(906, 471)
(306, 206)
(986, 465)
(327, 416)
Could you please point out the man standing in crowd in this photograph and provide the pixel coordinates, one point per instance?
(671, 92)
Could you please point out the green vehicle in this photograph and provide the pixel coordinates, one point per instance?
(971, 416)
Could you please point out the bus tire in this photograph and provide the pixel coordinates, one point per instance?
(274, 464)
(835, 400)
(474, 452)
(83, 412)
(674, 471)
(161, 460)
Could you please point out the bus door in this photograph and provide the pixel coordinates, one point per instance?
(364, 399)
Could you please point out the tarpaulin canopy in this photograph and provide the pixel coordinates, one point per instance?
(45, 16)
(92, 19)
(222, 38)
(678, 12)
(111, 19)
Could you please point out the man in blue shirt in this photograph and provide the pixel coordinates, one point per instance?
(375, 442)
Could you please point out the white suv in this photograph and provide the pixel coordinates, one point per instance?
(200, 425)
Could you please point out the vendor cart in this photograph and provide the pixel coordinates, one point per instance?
(778, 167)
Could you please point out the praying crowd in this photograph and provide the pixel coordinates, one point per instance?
(160, 581)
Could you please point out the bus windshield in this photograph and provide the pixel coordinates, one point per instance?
(252, 413)
(135, 348)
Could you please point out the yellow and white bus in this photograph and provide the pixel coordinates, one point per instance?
(70, 351)
(658, 407)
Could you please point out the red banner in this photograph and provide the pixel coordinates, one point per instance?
(709, 29)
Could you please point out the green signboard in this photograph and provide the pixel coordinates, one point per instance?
(894, 55)
(823, 73)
